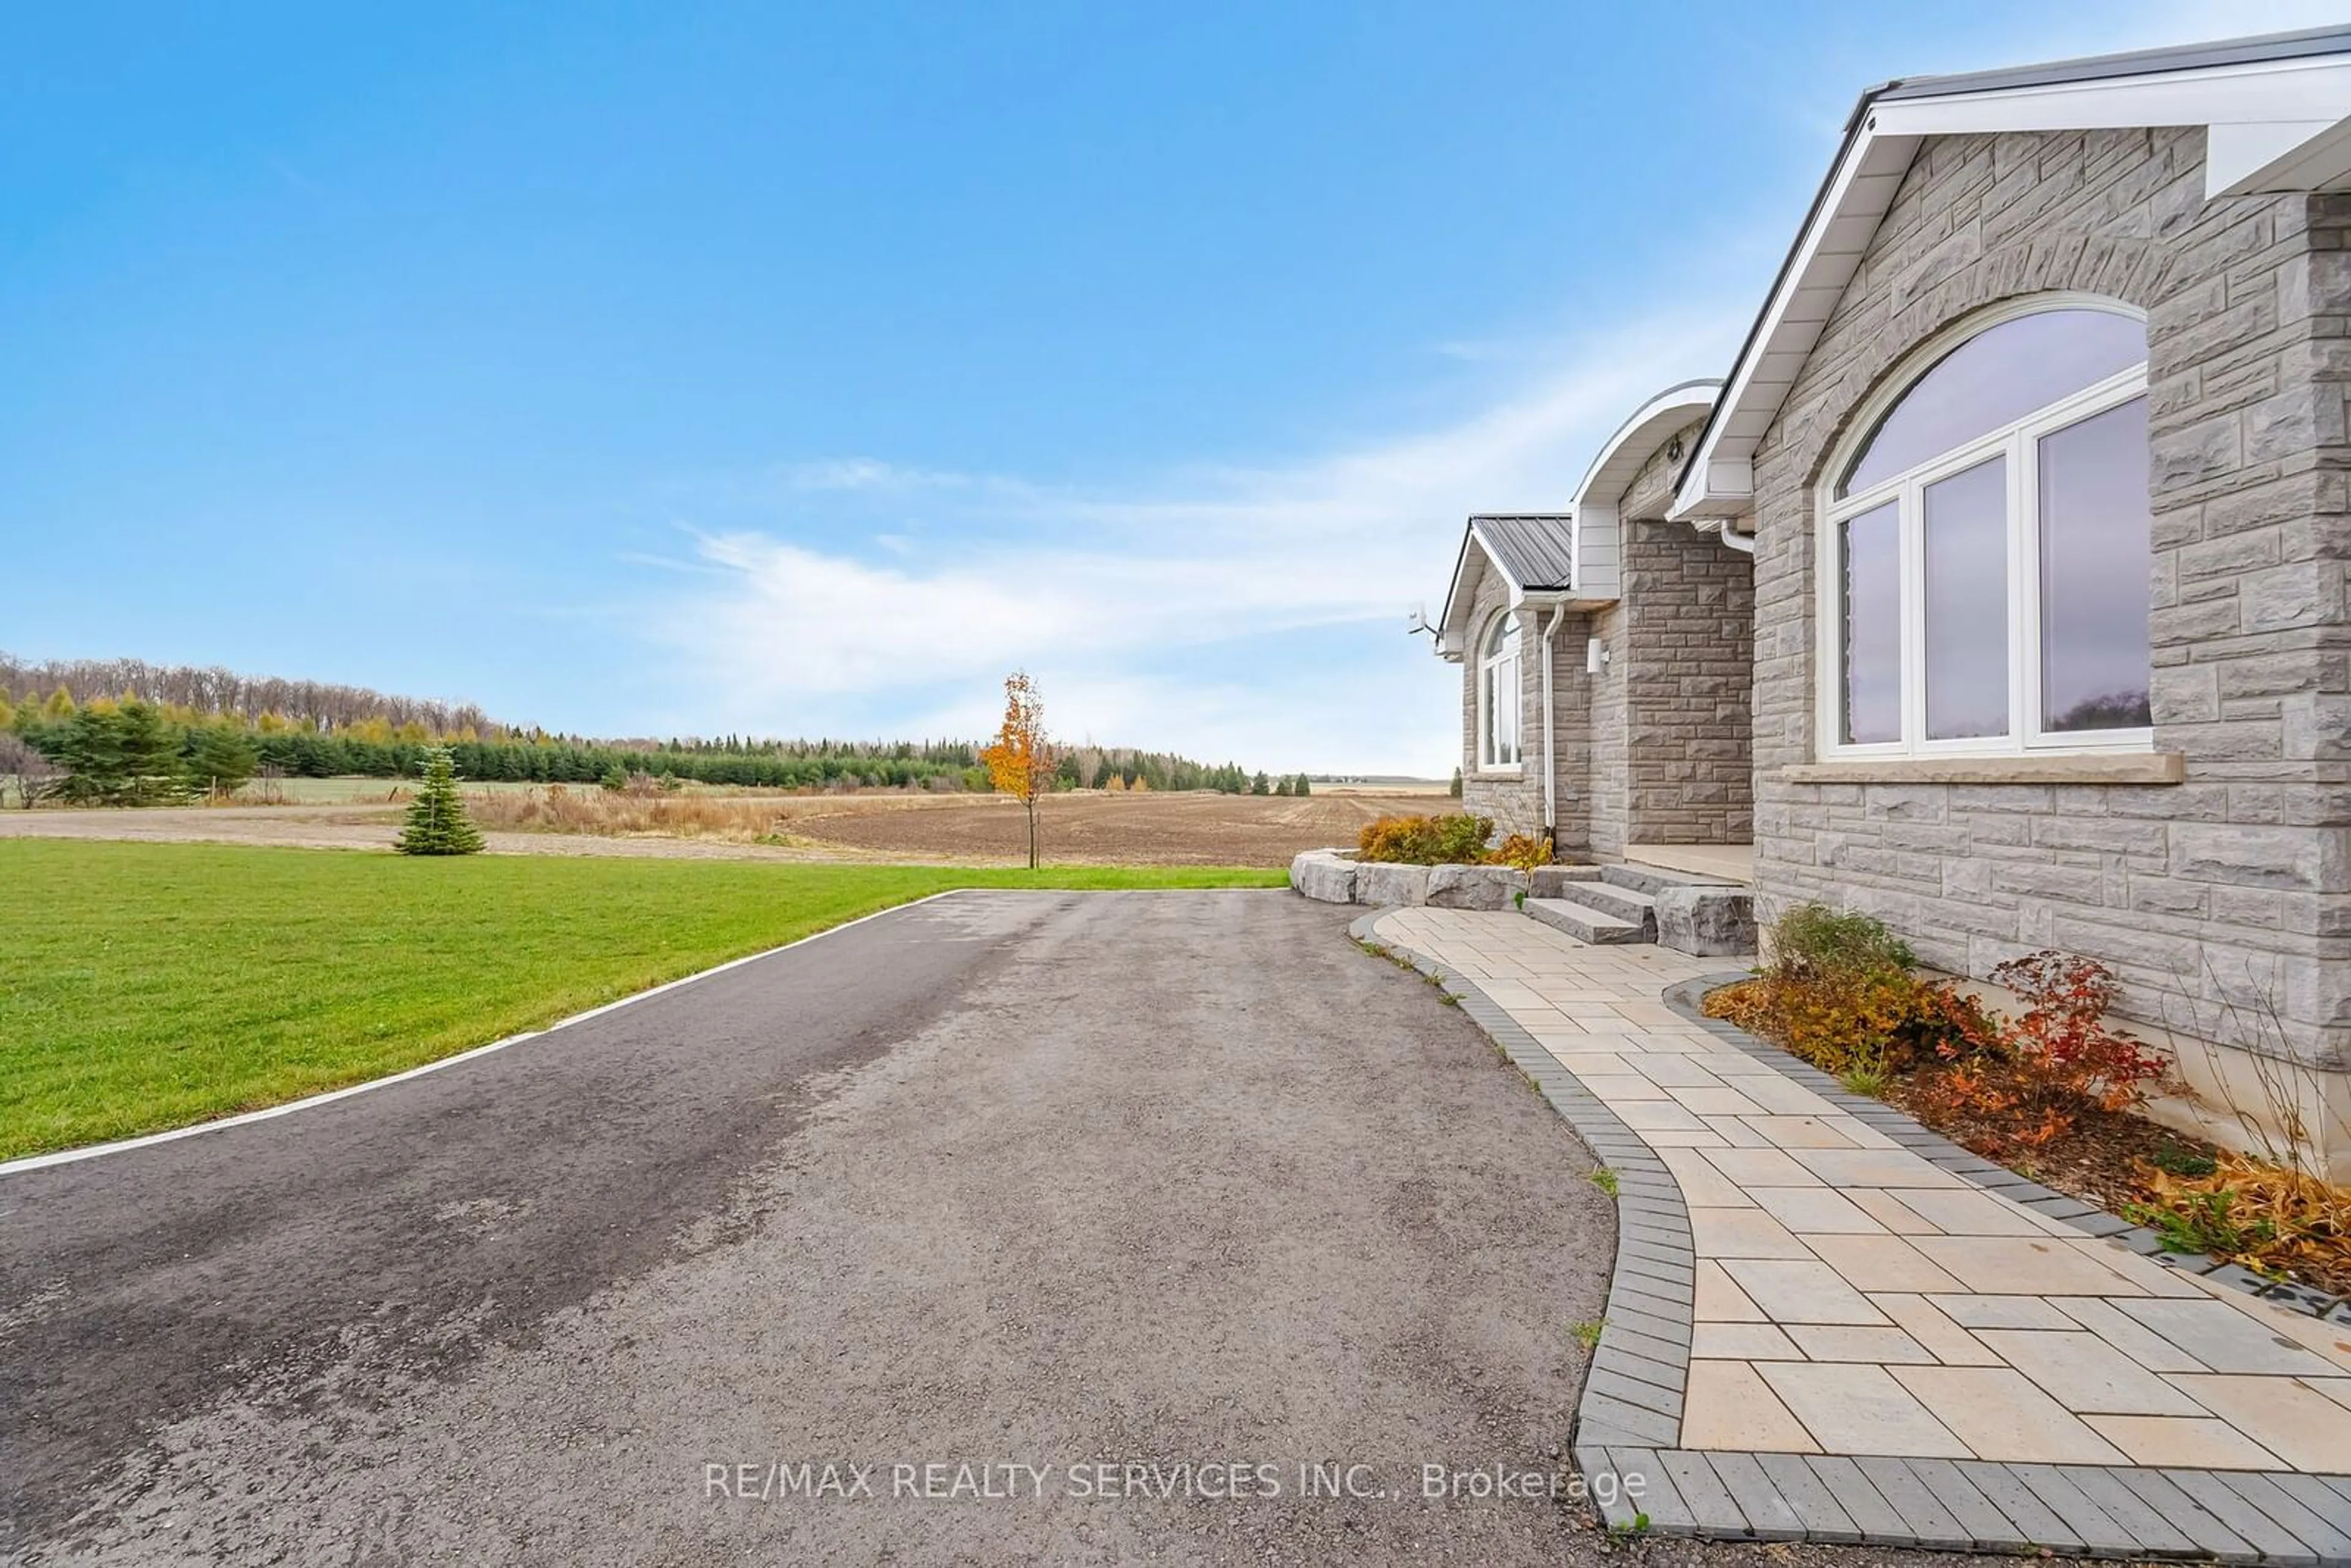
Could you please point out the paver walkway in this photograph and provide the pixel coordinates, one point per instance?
(1816, 1331)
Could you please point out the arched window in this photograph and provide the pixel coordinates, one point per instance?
(1987, 552)
(1497, 694)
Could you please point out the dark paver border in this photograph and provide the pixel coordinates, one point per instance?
(1629, 1422)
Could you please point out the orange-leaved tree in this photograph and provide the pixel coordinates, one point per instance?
(1020, 762)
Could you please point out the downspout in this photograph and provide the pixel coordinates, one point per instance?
(1743, 543)
(1550, 768)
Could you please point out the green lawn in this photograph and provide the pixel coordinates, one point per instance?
(149, 986)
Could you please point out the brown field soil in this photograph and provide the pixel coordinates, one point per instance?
(975, 830)
(1197, 829)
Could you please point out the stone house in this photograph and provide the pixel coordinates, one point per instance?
(2030, 495)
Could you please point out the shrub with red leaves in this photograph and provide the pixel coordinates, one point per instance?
(2062, 1040)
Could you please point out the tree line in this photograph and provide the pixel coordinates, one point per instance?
(128, 749)
(215, 691)
(1090, 766)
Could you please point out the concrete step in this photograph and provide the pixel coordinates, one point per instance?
(1652, 880)
(1623, 903)
(1546, 880)
(1584, 922)
(1707, 916)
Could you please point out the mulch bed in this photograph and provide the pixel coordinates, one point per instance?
(2096, 1160)
(2107, 1158)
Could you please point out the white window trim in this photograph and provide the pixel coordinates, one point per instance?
(1490, 667)
(2016, 441)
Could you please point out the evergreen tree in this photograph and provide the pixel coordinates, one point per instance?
(1455, 790)
(121, 755)
(88, 747)
(151, 755)
(437, 824)
(1259, 785)
(223, 760)
(1304, 785)
(1281, 786)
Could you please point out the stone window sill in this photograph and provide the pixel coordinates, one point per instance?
(2077, 768)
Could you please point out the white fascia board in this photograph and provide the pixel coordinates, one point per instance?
(1623, 453)
(1452, 630)
(1457, 594)
(1860, 190)
(1598, 528)
(2315, 87)
(2294, 156)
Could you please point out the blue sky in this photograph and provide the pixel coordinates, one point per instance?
(642, 370)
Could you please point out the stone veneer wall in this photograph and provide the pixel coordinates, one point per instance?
(1514, 799)
(1691, 651)
(1669, 719)
(2227, 890)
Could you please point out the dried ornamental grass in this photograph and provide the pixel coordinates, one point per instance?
(2268, 1218)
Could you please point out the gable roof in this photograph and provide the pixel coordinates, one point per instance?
(1532, 548)
(2277, 113)
(1531, 552)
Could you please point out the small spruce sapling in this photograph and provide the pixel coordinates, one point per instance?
(437, 824)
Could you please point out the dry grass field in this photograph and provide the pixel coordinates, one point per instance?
(349, 792)
(955, 830)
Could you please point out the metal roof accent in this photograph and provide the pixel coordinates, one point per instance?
(1532, 548)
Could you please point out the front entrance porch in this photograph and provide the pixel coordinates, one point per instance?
(1731, 862)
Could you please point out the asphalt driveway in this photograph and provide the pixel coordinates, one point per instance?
(1018, 1186)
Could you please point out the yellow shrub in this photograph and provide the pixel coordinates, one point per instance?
(1454, 839)
(1522, 852)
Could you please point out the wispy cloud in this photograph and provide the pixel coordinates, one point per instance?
(1126, 598)
(872, 474)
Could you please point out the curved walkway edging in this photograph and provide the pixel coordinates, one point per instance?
(1628, 1420)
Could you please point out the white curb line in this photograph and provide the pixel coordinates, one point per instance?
(68, 1156)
